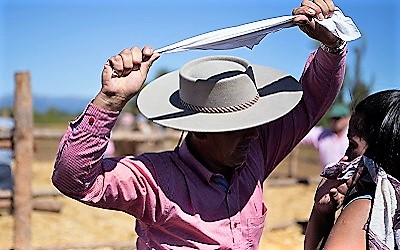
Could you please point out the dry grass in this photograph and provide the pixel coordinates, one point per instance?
(80, 224)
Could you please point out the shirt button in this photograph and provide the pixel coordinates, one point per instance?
(91, 121)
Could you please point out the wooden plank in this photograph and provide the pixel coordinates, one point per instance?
(46, 193)
(47, 205)
(118, 135)
(5, 143)
(38, 205)
(5, 133)
(5, 204)
(7, 194)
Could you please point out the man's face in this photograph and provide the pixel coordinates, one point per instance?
(228, 149)
(339, 124)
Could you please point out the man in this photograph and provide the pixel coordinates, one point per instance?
(331, 143)
(242, 120)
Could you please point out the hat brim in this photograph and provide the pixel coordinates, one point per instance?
(279, 93)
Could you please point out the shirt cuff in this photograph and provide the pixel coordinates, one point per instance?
(328, 60)
(95, 120)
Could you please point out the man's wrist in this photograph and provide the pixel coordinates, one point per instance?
(335, 48)
(113, 103)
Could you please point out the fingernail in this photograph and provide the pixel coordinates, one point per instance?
(311, 11)
(320, 16)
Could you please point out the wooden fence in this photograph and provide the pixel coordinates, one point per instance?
(22, 200)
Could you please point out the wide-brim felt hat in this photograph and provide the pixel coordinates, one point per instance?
(219, 94)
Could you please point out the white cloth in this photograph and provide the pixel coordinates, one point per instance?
(249, 35)
(381, 232)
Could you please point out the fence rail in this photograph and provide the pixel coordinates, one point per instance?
(119, 135)
(131, 136)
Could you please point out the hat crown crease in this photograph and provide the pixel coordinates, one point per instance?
(217, 84)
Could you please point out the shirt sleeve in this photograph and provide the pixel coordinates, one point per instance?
(312, 137)
(321, 81)
(82, 173)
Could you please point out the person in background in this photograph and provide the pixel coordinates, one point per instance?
(331, 142)
(365, 183)
(126, 123)
(143, 124)
(207, 193)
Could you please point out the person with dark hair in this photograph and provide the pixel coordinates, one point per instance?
(366, 182)
(242, 121)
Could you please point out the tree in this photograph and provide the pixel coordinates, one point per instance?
(358, 87)
(354, 88)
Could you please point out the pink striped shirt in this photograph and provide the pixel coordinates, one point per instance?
(178, 203)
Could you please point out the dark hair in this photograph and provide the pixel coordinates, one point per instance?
(376, 119)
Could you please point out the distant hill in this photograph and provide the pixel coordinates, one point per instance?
(70, 105)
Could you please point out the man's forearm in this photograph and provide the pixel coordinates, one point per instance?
(81, 150)
(322, 80)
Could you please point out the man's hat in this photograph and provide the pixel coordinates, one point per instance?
(218, 94)
(339, 110)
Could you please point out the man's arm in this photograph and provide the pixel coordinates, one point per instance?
(321, 81)
(81, 171)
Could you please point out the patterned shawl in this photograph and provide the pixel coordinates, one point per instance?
(383, 226)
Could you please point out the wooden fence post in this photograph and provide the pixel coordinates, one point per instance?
(23, 149)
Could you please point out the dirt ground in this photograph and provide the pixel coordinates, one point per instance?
(78, 224)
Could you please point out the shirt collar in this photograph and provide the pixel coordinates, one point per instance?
(193, 163)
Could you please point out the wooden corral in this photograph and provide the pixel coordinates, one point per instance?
(21, 201)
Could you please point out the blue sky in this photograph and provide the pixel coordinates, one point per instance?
(64, 44)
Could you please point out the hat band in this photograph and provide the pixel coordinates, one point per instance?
(227, 109)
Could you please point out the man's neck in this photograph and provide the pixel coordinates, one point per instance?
(208, 163)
